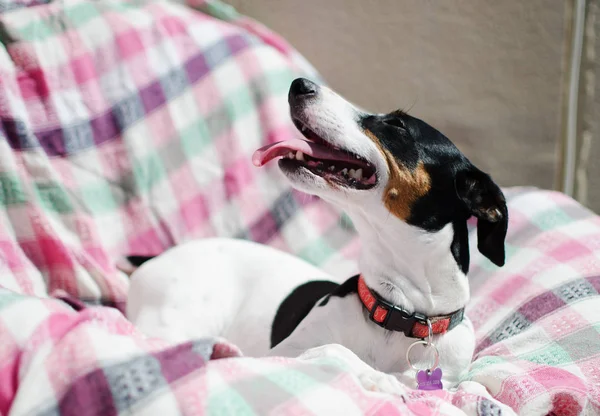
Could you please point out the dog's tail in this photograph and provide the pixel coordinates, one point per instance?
(129, 264)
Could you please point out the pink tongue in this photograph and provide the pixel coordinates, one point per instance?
(269, 152)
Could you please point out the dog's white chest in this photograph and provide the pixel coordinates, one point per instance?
(343, 320)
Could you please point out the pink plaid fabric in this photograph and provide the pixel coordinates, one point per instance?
(537, 319)
(128, 128)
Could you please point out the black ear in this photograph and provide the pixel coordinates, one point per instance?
(485, 201)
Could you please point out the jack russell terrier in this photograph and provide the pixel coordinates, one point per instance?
(409, 192)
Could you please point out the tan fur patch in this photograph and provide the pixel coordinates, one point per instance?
(404, 186)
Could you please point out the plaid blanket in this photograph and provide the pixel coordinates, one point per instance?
(127, 127)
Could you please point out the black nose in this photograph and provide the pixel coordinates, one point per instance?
(302, 88)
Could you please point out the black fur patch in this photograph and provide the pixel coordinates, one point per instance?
(137, 261)
(460, 245)
(349, 287)
(413, 142)
(296, 306)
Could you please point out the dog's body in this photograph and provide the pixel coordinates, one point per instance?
(409, 192)
(218, 287)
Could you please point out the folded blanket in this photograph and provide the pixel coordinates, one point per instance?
(94, 362)
(128, 128)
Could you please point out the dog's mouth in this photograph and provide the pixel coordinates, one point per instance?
(336, 165)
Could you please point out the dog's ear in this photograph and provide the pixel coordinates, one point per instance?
(484, 200)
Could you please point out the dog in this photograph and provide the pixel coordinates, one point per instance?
(409, 192)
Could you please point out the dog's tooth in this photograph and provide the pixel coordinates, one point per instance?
(299, 155)
(358, 174)
(291, 155)
(331, 168)
(303, 128)
(351, 173)
(344, 172)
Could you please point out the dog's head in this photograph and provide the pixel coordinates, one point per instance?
(392, 160)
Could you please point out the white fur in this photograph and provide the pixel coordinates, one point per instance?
(216, 287)
(232, 289)
(408, 266)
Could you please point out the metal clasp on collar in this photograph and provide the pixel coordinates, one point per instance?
(429, 332)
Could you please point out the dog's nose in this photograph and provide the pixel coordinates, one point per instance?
(302, 88)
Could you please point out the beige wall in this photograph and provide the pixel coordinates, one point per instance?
(488, 74)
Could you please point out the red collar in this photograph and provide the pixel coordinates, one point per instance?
(394, 318)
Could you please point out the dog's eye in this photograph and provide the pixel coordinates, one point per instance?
(396, 122)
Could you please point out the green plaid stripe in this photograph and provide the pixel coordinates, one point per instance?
(228, 402)
(149, 171)
(195, 138)
(11, 190)
(551, 218)
(550, 354)
(53, 197)
(316, 251)
(7, 298)
(77, 15)
(99, 198)
(267, 390)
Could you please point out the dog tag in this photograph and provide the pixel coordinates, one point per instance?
(429, 380)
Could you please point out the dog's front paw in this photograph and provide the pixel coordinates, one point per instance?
(379, 382)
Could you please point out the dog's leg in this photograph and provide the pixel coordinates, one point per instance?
(456, 353)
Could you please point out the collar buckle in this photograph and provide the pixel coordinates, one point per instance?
(394, 318)
(397, 319)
